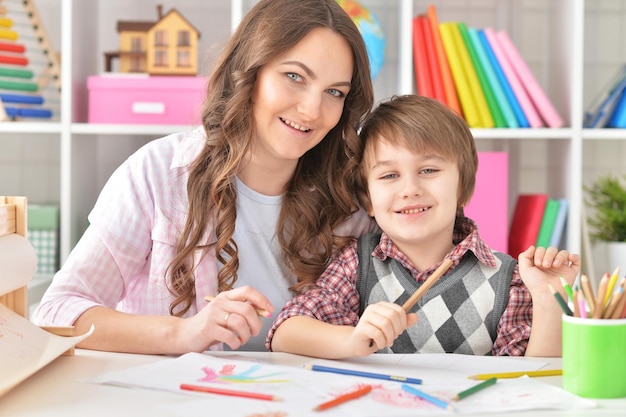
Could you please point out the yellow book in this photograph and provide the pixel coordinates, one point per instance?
(469, 107)
(486, 120)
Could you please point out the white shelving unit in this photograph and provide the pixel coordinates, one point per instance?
(558, 38)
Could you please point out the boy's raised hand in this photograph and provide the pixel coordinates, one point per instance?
(379, 326)
(540, 266)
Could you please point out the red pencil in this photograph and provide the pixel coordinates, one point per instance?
(344, 397)
(222, 391)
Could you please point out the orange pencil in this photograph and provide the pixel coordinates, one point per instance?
(599, 310)
(233, 393)
(365, 389)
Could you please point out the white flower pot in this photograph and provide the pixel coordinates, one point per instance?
(616, 256)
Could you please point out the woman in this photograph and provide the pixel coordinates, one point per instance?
(236, 210)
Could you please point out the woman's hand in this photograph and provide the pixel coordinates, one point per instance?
(232, 317)
(379, 326)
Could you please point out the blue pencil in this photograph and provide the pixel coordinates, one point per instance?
(405, 379)
(426, 397)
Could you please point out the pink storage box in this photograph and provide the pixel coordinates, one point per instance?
(146, 100)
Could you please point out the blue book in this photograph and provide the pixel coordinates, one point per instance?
(559, 224)
(618, 115)
(504, 82)
(603, 106)
(498, 91)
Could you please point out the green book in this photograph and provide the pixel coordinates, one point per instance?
(492, 103)
(550, 214)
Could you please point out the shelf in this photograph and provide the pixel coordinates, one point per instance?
(115, 129)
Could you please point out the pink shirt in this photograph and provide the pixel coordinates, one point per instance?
(120, 262)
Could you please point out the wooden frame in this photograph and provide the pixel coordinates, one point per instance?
(13, 219)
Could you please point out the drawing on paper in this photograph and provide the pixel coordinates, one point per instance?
(250, 375)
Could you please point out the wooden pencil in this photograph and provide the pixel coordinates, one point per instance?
(541, 372)
(599, 310)
(620, 306)
(259, 311)
(614, 301)
(580, 302)
(232, 393)
(560, 300)
(352, 395)
(478, 387)
(611, 285)
(588, 293)
(417, 295)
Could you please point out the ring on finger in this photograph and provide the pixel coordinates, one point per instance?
(226, 319)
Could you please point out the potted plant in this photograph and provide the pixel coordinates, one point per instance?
(607, 219)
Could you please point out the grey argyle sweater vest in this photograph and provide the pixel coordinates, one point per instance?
(459, 314)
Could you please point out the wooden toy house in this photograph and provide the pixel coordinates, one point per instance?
(168, 46)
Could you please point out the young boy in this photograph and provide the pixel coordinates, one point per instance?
(418, 169)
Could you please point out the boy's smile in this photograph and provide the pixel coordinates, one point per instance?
(414, 199)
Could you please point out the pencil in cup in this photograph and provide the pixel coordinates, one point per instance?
(352, 395)
(560, 300)
(320, 368)
(259, 311)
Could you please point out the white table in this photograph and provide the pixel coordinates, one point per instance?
(58, 390)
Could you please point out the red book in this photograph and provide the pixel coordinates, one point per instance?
(433, 61)
(420, 60)
(526, 222)
(444, 66)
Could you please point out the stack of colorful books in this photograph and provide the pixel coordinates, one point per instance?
(479, 73)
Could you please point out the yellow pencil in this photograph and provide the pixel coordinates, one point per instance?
(544, 372)
(611, 285)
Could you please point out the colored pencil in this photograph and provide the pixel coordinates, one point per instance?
(233, 393)
(545, 372)
(567, 288)
(259, 311)
(364, 390)
(614, 301)
(621, 303)
(341, 371)
(599, 310)
(611, 285)
(478, 387)
(426, 397)
(588, 292)
(561, 301)
(580, 302)
(417, 295)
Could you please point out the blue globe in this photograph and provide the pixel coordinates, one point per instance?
(371, 30)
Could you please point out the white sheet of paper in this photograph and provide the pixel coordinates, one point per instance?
(301, 390)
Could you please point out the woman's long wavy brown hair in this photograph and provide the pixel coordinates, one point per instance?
(319, 196)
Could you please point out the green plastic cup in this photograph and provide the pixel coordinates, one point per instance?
(594, 357)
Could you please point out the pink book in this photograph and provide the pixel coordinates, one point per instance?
(536, 93)
(516, 85)
(489, 206)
